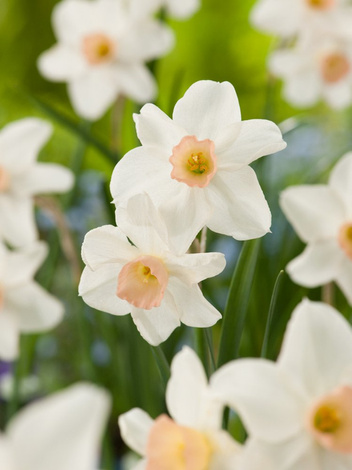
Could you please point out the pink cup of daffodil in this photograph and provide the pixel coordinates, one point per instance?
(298, 411)
(152, 280)
(191, 438)
(322, 217)
(195, 166)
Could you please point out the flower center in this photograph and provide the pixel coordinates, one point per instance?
(330, 420)
(345, 238)
(334, 67)
(98, 48)
(193, 161)
(142, 282)
(4, 180)
(321, 4)
(176, 447)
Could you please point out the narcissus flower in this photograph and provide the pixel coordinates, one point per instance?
(322, 217)
(22, 177)
(158, 286)
(101, 51)
(298, 412)
(25, 307)
(192, 438)
(288, 17)
(317, 68)
(195, 166)
(60, 432)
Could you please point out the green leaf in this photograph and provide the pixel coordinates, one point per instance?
(237, 302)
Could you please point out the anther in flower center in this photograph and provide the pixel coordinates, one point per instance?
(4, 180)
(193, 161)
(345, 238)
(321, 4)
(142, 282)
(330, 420)
(98, 48)
(334, 67)
(175, 447)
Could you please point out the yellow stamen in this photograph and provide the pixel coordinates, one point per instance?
(327, 419)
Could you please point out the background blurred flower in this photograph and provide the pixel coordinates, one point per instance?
(192, 437)
(322, 217)
(25, 307)
(22, 177)
(298, 412)
(62, 431)
(195, 167)
(157, 286)
(101, 52)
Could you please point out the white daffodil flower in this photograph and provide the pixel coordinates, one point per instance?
(298, 412)
(317, 68)
(195, 167)
(158, 286)
(22, 177)
(60, 432)
(192, 438)
(287, 18)
(322, 217)
(101, 52)
(25, 307)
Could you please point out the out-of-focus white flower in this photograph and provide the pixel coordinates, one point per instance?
(22, 177)
(298, 412)
(317, 68)
(180, 9)
(158, 286)
(25, 307)
(322, 217)
(60, 432)
(192, 438)
(101, 52)
(288, 17)
(195, 167)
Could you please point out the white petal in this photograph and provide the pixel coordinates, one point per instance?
(182, 9)
(98, 289)
(187, 396)
(318, 264)
(228, 453)
(143, 225)
(276, 16)
(194, 268)
(135, 426)
(261, 394)
(107, 244)
(9, 337)
(302, 89)
(206, 108)
(317, 347)
(194, 310)
(61, 63)
(284, 62)
(62, 431)
(155, 128)
(157, 324)
(18, 226)
(314, 211)
(22, 264)
(334, 460)
(35, 309)
(136, 82)
(6, 460)
(145, 41)
(94, 92)
(257, 138)
(296, 453)
(344, 279)
(341, 180)
(47, 178)
(20, 143)
(338, 96)
(240, 208)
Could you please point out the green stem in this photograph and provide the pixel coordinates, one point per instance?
(162, 363)
(208, 333)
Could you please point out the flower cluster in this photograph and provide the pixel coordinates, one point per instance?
(315, 60)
